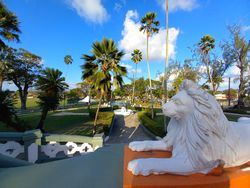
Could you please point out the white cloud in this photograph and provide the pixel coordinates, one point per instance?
(232, 72)
(131, 69)
(171, 77)
(134, 39)
(174, 5)
(90, 10)
(246, 28)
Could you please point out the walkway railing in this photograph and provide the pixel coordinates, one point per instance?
(34, 146)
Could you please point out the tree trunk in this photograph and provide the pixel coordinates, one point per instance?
(210, 79)
(1, 84)
(241, 89)
(133, 95)
(89, 102)
(96, 114)
(23, 102)
(43, 117)
(229, 92)
(150, 84)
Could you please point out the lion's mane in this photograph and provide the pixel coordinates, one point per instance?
(205, 134)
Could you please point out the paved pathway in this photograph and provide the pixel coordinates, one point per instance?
(127, 129)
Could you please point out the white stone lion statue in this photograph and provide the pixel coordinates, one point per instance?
(198, 134)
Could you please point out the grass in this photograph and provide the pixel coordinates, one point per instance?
(31, 103)
(156, 125)
(73, 125)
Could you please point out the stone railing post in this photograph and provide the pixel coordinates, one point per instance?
(97, 140)
(32, 143)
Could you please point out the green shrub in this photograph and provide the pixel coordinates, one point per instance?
(105, 120)
(237, 111)
(155, 126)
(115, 107)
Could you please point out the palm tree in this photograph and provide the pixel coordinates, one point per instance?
(100, 66)
(9, 30)
(206, 44)
(68, 60)
(149, 26)
(136, 57)
(9, 26)
(51, 85)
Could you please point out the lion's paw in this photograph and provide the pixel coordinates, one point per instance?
(138, 167)
(138, 146)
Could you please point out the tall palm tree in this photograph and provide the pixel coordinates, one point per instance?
(51, 85)
(136, 57)
(100, 66)
(9, 26)
(149, 26)
(9, 30)
(206, 44)
(68, 60)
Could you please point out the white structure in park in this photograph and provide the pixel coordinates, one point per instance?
(123, 111)
(199, 136)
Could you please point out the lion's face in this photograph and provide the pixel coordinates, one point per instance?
(179, 106)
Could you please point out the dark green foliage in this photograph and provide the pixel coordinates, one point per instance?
(51, 86)
(7, 111)
(9, 25)
(101, 66)
(68, 59)
(23, 68)
(237, 51)
(237, 111)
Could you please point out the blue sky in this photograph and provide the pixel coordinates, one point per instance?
(55, 28)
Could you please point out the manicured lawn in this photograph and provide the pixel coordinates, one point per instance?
(156, 126)
(68, 124)
(31, 103)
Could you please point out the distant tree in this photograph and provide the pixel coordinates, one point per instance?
(4, 53)
(120, 92)
(51, 86)
(68, 60)
(7, 111)
(74, 95)
(233, 93)
(9, 26)
(141, 86)
(214, 67)
(236, 51)
(149, 26)
(26, 67)
(185, 71)
(136, 57)
(205, 46)
(85, 87)
(100, 66)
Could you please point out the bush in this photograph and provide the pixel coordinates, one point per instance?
(237, 111)
(115, 107)
(105, 120)
(155, 126)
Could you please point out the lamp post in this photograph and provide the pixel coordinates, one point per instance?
(166, 66)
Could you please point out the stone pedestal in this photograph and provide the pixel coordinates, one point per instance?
(230, 178)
